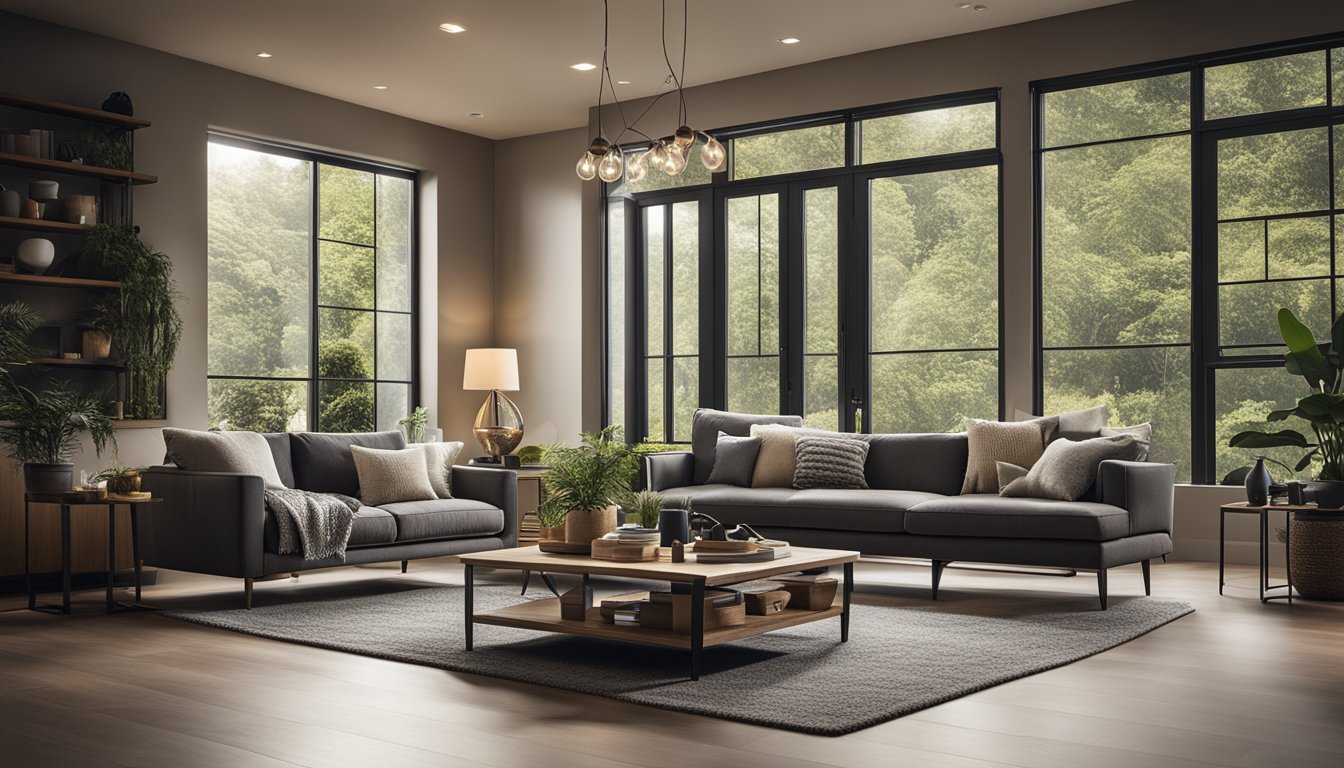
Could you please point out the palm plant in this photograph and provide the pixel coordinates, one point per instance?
(590, 477)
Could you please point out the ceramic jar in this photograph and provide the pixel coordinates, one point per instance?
(37, 253)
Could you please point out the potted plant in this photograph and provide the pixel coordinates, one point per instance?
(643, 509)
(587, 482)
(121, 481)
(413, 425)
(1323, 369)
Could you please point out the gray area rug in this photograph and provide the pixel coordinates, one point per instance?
(897, 660)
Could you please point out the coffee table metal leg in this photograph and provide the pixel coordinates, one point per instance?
(697, 625)
(1222, 546)
(1264, 552)
(467, 575)
(844, 609)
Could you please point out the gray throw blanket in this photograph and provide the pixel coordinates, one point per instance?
(317, 525)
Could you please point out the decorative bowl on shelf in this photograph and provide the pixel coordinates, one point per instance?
(37, 253)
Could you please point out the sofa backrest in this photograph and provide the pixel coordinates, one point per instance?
(322, 461)
(280, 451)
(933, 463)
(708, 423)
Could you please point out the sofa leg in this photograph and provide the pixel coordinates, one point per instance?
(247, 592)
(404, 564)
(938, 566)
(1101, 586)
(1147, 577)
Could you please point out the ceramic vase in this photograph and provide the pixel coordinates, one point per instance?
(37, 253)
(1257, 484)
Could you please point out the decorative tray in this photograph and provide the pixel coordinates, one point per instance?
(562, 548)
(132, 496)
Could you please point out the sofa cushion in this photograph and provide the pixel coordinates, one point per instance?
(371, 527)
(322, 461)
(734, 460)
(991, 515)
(838, 509)
(1015, 442)
(391, 476)
(239, 452)
(830, 462)
(932, 463)
(439, 460)
(445, 519)
(1142, 434)
(776, 458)
(280, 451)
(1069, 467)
(706, 426)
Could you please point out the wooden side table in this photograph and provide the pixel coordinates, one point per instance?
(110, 504)
(1244, 508)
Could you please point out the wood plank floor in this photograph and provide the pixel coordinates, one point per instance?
(1236, 684)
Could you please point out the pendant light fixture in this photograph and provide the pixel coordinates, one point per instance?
(671, 154)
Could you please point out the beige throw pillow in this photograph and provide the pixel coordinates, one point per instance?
(1068, 468)
(389, 476)
(777, 456)
(1014, 442)
(439, 459)
(1008, 473)
(245, 453)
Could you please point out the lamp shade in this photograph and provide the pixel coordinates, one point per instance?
(491, 368)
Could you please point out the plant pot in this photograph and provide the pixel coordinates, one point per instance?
(1316, 554)
(48, 478)
(96, 344)
(674, 525)
(552, 533)
(125, 483)
(584, 525)
(1328, 494)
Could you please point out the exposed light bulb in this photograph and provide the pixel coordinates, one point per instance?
(658, 156)
(713, 155)
(637, 167)
(587, 166)
(609, 168)
(676, 161)
(684, 137)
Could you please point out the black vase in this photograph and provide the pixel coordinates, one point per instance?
(119, 103)
(1257, 484)
(673, 525)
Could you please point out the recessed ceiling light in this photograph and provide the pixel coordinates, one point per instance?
(263, 55)
(475, 114)
(380, 87)
(451, 28)
(982, 7)
(583, 66)
(622, 82)
(963, 6)
(789, 40)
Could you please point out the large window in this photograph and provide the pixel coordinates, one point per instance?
(1180, 209)
(756, 290)
(311, 304)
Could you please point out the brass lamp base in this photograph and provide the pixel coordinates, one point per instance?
(499, 425)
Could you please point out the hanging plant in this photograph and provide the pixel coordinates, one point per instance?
(142, 317)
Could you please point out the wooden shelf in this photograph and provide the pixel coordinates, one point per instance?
(38, 225)
(52, 281)
(78, 362)
(75, 169)
(70, 110)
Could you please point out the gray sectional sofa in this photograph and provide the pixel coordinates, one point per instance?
(217, 523)
(914, 506)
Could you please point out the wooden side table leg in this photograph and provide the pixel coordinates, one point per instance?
(65, 558)
(111, 553)
(135, 547)
(27, 565)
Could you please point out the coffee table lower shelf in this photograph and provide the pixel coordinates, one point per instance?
(544, 615)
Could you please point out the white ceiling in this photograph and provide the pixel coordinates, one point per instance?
(512, 63)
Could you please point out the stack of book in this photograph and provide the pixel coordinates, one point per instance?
(631, 534)
(529, 530)
(34, 143)
(756, 551)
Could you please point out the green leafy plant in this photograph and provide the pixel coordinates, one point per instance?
(1323, 370)
(45, 427)
(530, 454)
(142, 316)
(18, 321)
(120, 480)
(592, 476)
(414, 424)
(645, 506)
(102, 147)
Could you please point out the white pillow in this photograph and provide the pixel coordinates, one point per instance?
(245, 453)
(391, 476)
(439, 458)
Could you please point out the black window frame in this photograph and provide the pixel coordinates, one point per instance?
(318, 159)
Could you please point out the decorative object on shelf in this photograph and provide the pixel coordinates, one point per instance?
(413, 425)
(674, 525)
(70, 356)
(1297, 493)
(105, 147)
(678, 551)
(115, 410)
(583, 484)
(499, 423)
(119, 103)
(1316, 554)
(605, 160)
(1323, 409)
(574, 604)
(142, 316)
(80, 209)
(121, 481)
(530, 454)
(37, 253)
(95, 344)
(44, 191)
(32, 209)
(1258, 481)
(10, 202)
(69, 152)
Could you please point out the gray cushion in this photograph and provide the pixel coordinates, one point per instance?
(371, 527)
(322, 461)
(829, 462)
(284, 465)
(838, 509)
(1069, 467)
(992, 515)
(239, 452)
(1084, 424)
(734, 460)
(706, 426)
(1142, 434)
(445, 519)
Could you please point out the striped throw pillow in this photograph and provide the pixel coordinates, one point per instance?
(830, 462)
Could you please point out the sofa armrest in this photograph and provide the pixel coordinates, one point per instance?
(1146, 490)
(670, 469)
(497, 487)
(208, 522)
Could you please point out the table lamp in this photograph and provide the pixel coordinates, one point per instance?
(499, 423)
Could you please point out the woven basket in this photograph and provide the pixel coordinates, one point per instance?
(1316, 555)
(584, 525)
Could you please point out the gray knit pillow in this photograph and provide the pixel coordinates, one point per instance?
(734, 460)
(390, 476)
(1068, 468)
(830, 462)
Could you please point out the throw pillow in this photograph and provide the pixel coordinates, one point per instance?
(778, 454)
(1142, 434)
(388, 476)
(245, 453)
(439, 458)
(1008, 472)
(829, 462)
(1068, 468)
(734, 460)
(1015, 442)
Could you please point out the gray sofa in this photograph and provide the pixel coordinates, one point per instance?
(217, 523)
(914, 507)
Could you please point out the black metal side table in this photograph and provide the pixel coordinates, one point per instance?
(110, 503)
(1244, 508)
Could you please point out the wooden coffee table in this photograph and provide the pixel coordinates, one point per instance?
(544, 615)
